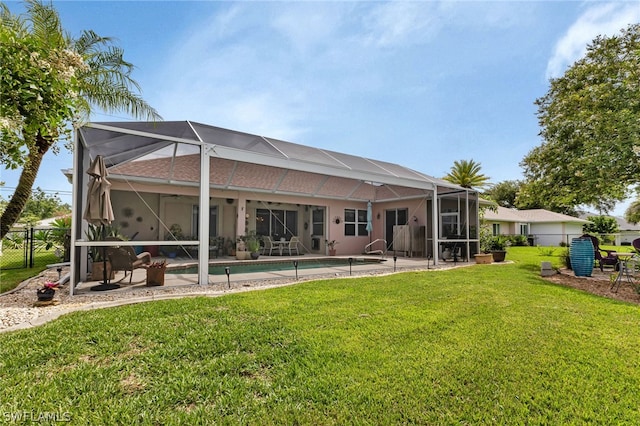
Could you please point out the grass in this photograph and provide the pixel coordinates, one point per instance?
(12, 272)
(484, 344)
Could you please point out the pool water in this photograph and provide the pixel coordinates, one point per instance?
(247, 268)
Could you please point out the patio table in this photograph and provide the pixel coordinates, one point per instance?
(281, 245)
(623, 270)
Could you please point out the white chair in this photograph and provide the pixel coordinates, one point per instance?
(293, 245)
(268, 245)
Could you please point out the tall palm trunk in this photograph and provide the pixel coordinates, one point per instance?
(23, 191)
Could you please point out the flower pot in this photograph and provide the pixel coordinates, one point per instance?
(97, 271)
(255, 255)
(45, 294)
(242, 255)
(332, 252)
(498, 255)
(483, 258)
(155, 275)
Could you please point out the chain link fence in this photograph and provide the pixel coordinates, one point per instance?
(564, 240)
(20, 247)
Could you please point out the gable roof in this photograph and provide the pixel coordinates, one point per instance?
(623, 225)
(504, 214)
(169, 152)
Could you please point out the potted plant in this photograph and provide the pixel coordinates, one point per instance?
(229, 247)
(241, 248)
(332, 246)
(46, 293)
(98, 233)
(498, 247)
(485, 256)
(253, 244)
(155, 273)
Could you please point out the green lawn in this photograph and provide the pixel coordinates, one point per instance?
(12, 272)
(477, 345)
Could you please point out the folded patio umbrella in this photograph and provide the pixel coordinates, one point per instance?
(369, 219)
(99, 210)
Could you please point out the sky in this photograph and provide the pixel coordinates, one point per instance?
(420, 84)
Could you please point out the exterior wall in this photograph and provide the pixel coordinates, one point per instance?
(175, 207)
(132, 215)
(554, 234)
(626, 237)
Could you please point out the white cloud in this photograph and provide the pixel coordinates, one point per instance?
(399, 23)
(605, 19)
(307, 25)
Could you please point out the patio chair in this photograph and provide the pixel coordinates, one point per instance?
(293, 245)
(636, 245)
(610, 258)
(268, 244)
(125, 259)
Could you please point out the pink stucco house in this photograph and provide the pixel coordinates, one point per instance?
(165, 175)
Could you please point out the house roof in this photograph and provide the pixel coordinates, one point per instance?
(170, 152)
(623, 225)
(504, 214)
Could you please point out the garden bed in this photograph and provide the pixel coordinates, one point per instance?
(599, 283)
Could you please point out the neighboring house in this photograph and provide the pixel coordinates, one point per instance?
(627, 231)
(542, 227)
(165, 175)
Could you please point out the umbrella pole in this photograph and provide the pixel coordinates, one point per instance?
(105, 275)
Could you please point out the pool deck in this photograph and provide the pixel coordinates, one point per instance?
(174, 280)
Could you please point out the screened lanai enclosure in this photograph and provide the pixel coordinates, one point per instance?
(187, 190)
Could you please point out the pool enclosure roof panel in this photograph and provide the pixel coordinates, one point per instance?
(130, 146)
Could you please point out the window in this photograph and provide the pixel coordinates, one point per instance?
(524, 229)
(450, 225)
(496, 229)
(277, 223)
(355, 222)
(213, 221)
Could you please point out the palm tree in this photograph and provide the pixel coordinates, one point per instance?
(95, 75)
(467, 174)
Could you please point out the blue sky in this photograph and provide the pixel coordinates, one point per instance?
(421, 84)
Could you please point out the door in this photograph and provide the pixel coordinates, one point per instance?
(317, 228)
(391, 218)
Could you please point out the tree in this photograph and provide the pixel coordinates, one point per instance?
(466, 173)
(504, 193)
(601, 225)
(50, 82)
(590, 123)
(632, 214)
(42, 206)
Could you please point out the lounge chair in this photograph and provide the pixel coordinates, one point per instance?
(125, 259)
(610, 258)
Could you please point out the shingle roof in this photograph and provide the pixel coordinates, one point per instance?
(529, 216)
(169, 151)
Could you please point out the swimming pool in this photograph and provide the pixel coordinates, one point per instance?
(270, 266)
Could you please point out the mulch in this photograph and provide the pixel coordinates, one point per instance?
(600, 283)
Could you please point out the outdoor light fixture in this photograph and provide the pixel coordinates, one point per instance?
(350, 262)
(395, 258)
(59, 274)
(227, 271)
(295, 265)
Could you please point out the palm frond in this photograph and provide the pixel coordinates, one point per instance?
(46, 25)
(90, 43)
